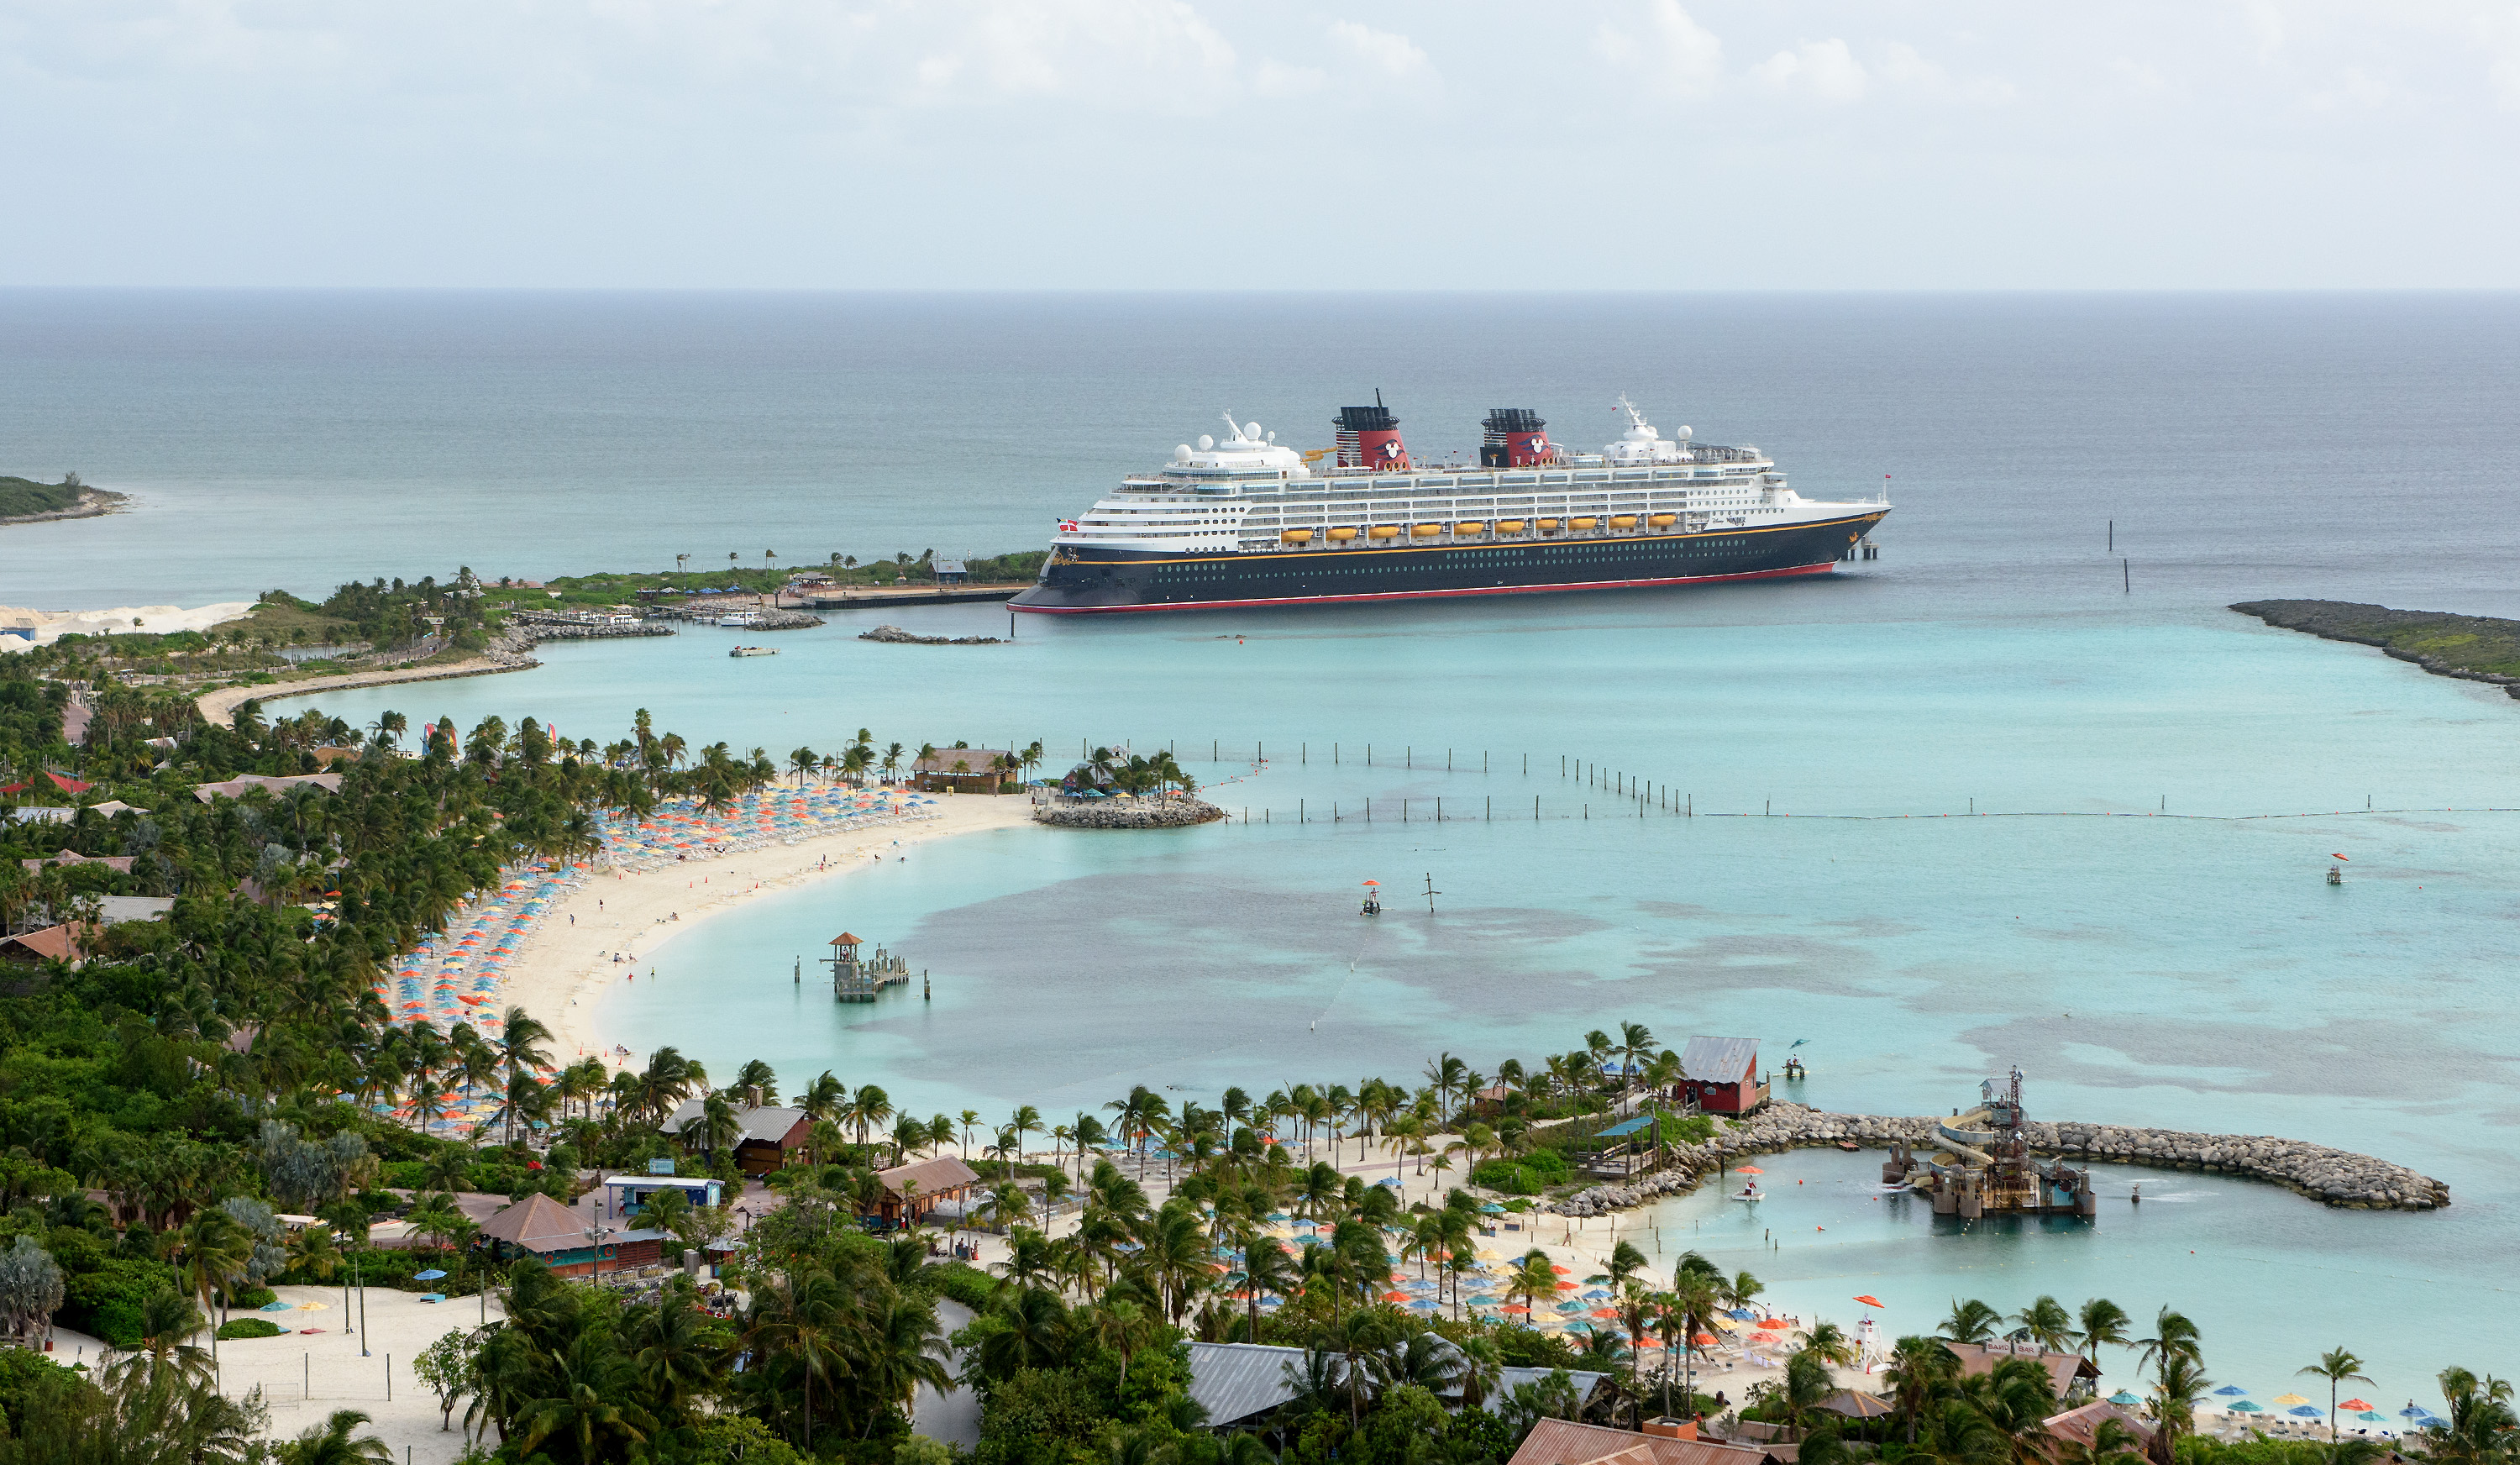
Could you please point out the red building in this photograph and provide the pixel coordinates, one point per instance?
(1721, 1075)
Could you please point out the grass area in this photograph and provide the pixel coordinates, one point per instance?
(22, 496)
(2456, 643)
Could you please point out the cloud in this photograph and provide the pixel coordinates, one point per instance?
(2353, 88)
(1007, 48)
(1391, 54)
(1679, 55)
(1826, 70)
(2505, 74)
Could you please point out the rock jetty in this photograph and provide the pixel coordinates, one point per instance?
(1127, 814)
(895, 635)
(2470, 647)
(2336, 1178)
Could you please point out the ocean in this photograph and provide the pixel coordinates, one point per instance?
(2022, 791)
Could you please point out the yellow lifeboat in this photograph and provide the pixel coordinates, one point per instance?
(1426, 531)
(1547, 526)
(1510, 526)
(1469, 526)
(1623, 521)
(1662, 521)
(1584, 523)
(1297, 537)
(1383, 531)
(1342, 535)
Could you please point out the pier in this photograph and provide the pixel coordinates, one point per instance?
(858, 979)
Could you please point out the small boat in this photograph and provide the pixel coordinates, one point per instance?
(1747, 1195)
(740, 618)
(755, 652)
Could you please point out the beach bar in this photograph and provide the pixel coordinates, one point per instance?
(564, 1239)
(911, 1191)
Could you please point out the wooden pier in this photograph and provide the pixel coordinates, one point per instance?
(857, 978)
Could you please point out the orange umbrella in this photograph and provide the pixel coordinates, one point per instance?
(1395, 1296)
(1704, 1340)
(1515, 1307)
(1775, 1324)
(1566, 1286)
(2354, 1404)
(1749, 1170)
(1605, 1312)
(1869, 1302)
(1560, 1270)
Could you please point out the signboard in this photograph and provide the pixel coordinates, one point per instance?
(661, 1167)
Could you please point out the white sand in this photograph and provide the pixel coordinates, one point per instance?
(560, 975)
(161, 620)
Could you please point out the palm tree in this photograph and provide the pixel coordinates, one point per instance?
(1919, 1368)
(330, 1442)
(2103, 1321)
(2048, 1325)
(2178, 1388)
(521, 1037)
(808, 1315)
(215, 1249)
(2337, 1366)
(1971, 1321)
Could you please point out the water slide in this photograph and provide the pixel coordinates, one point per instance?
(1956, 1136)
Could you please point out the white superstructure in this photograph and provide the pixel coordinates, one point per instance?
(1245, 493)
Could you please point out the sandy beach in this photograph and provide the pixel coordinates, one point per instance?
(558, 975)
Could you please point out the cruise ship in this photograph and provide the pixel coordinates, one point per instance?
(1241, 521)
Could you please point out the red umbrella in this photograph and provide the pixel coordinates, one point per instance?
(1566, 1286)
(1560, 1270)
(1395, 1296)
(1515, 1307)
(2354, 1404)
(1605, 1312)
(1749, 1170)
(1869, 1302)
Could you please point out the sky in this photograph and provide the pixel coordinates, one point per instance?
(1578, 145)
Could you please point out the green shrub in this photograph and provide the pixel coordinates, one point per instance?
(1523, 1174)
(249, 1298)
(250, 1327)
(105, 1303)
(962, 1281)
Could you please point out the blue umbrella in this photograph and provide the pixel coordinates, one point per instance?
(1422, 1304)
(2305, 1411)
(1598, 1293)
(2124, 1399)
(1491, 1208)
(2247, 1407)
(1744, 1315)
(2227, 1391)
(2413, 1411)
(430, 1275)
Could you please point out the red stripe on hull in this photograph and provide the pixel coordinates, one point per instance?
(1821, 568)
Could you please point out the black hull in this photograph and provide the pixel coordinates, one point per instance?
(1084, 581)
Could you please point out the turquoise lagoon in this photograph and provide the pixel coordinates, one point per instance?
(2136, 910)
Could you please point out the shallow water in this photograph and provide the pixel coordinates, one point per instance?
(2121, 924)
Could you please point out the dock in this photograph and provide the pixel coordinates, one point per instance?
(858, 978)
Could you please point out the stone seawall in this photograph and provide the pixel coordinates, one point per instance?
(1128, 814)
(2334, 1177)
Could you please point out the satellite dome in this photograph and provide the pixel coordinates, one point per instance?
(1207, 442)
(1685, 434)
(1251, 429)
(1181, 452)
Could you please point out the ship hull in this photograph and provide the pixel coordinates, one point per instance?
(1083, 580)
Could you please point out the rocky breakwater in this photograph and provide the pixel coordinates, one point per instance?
(2471, 647)
(1127, 814)
(895, 635)
(2336, 1178)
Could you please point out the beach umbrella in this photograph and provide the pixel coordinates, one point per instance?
(1869, 1302)
(1492, 1209)
(2286, 1400)
(2304, 1411)
(1515, 1307)
(1748, 1169)
(2247, 1407)
(2230, 1391)
(2372, 1415)
(2355, 1405)
(1579, 1325)
(1422, 1304)
(2124, 1399)
(1560, 1270)
(430, 1275)
(1566, 1286)
(1605, 1313)
(1775, 1325)
(1744, 1313)
(1704, 1340)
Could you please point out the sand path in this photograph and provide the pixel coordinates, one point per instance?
(560, 975)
